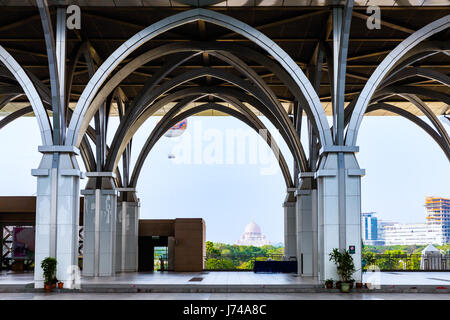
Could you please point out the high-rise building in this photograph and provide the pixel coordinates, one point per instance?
(438, 214)
(412, 233)
(436, 229)
(370, 229)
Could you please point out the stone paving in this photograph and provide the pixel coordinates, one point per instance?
(217, 283)
(223, 296)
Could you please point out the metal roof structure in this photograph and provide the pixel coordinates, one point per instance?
(139, 59)
(297, 26)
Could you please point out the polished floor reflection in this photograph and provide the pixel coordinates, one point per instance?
(237, 278)
(224, 296)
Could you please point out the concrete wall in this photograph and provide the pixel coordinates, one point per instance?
(189, 240)
(189, 244)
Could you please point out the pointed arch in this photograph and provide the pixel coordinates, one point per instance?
(386, 66)
(30, 91)
(78, 124)
(167, 122)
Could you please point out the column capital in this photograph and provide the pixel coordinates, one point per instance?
(306, 174)
(337, 148)
(356, 172)
(100, 174)
(126, 189)
(59, 149)
(288, 204)
(300, 192)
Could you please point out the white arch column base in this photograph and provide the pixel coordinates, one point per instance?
(290, 236)
(307, 241)
(100, 216)
(328, 212)
(127, 231)
(57, 213)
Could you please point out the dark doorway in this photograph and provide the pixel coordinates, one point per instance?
(146, 255)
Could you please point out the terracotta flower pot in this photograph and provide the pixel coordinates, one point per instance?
(48, 287)
(60, 285)
(329, 285)
(359, 285)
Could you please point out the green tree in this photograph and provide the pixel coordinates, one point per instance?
(211, 251)
(219, 264)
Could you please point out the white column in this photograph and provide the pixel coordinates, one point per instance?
(100, 205)
(328, 211)
(290, 236)
(57, 212)
(128, 229)
(307, 225)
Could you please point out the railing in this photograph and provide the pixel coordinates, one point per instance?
(237, 262)
(406, 262)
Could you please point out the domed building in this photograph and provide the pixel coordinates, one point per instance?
(252, 236)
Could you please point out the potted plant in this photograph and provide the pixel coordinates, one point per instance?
(48, 266)
(60, 285)
(329, 283)
(345, 267)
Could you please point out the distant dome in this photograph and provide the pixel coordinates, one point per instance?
(252, 227)
(253, 236)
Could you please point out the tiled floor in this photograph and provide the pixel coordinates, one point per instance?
(209, 278)
(223, 296)
(240, 278)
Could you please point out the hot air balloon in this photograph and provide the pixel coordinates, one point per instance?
(177, 130)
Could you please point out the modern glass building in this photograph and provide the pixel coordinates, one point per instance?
(438, 214)
(436, 229)
(370, 229)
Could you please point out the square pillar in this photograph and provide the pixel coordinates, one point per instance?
(127, 230)
(307, 226)
(290, 236)
(339, 209)
(57, 213)
(100, 205)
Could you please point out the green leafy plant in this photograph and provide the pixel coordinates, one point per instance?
(329, 283)
(344, 264)
(48, 266)
(368, 259)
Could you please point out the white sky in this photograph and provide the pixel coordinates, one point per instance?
(403, 166)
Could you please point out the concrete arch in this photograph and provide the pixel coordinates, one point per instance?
(220, 52)
(128, 126)
(416, 120)
(397, 90)
(429, 114)
(385, 67)
(7, 99)
(166, 124)
(226, 94)
(261, 87)
(85, 147)
(77, 127)
(32, 94)
(417, 71)
(421, 51)
(408, 94)
(197, 48)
